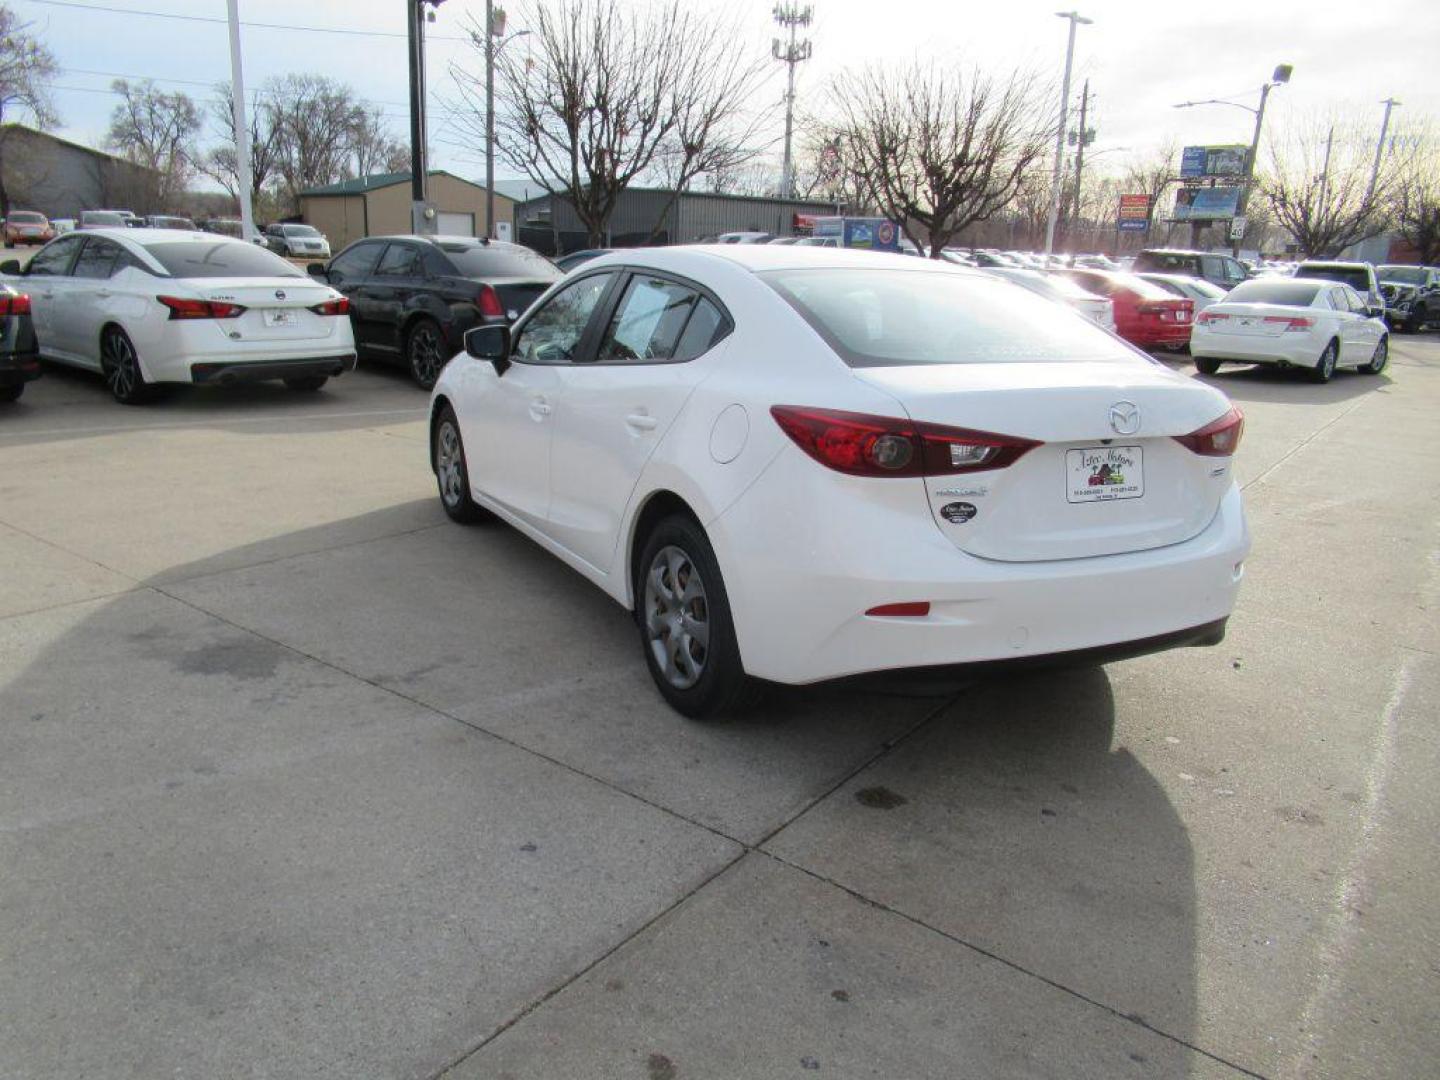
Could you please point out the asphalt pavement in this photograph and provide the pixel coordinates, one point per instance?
(298, 779)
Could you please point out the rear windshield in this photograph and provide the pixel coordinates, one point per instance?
(1108, 284)
(479, 261)
(1402, 275)
(173, 223)
(1160, 260)
(1357, 277)
(220, 258)
(1273, 291)
(301, 230)
(882, 318)
(26, 217)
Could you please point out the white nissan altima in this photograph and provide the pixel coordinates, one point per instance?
(795, 464)
(148, 306)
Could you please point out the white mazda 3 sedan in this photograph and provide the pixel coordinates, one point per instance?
(150, 306)
(795, 464)
(1306, 323)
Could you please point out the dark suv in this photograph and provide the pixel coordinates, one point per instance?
(1412, 295)
(1214, 267)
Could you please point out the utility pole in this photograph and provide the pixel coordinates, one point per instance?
(1081, 139)
(1074, 17)
(244, 180)
(791, 16)
(1325, 174)
(490, 34)
(1389, 104)
(422, 217)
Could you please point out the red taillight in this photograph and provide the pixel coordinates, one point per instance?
(864, 445)
(339, 306)
(911, 609)
(18, 304)
(1210, 316)
(1295, 323)
(1218, 438)
(182, 307)
(489, 303)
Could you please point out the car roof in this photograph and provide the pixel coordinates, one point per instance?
(1338, 264)
(1177, 251)
(146, 236)
(758, 258)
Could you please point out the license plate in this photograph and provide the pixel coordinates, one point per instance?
(1183, 316)
(1104, 474)
(281, 318)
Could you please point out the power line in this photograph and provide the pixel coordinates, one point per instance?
(223, 22)
(194, 82)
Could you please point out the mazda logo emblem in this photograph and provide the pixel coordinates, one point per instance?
(279, 294)
(1125, 417)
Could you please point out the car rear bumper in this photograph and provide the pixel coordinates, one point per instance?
(1295, 350)
(18, 368)
(226, 372)
(799, 606)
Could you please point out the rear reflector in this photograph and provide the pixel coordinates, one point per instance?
(489, 303)
(183, 307)
(911, 609)
(14, 305)
(339, 306)
(1218, 438)
(863, 445)
(1210, 316)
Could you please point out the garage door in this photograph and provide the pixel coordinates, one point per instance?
(448, 224)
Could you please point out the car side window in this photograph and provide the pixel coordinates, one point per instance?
(1358, 304)
(98, 260)
(436, 264)
(1234, 272)
(356, 261)
(552, 335)
(706, 327)
(399, 260)
(53, 260)
(649, 321)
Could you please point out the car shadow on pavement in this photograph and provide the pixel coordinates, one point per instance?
(1263, 382)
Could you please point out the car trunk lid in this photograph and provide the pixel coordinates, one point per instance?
(277, 309)
(1109, 476)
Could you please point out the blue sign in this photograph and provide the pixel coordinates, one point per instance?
(1133, 226)
(1192, 161)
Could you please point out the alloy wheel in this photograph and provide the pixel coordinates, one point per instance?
(122, 371)
(426, 358)
(447, 464)
(677, 617)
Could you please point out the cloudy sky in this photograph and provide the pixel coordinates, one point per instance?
(1141, 56)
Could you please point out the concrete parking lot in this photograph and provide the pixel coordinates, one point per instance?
(298, 779)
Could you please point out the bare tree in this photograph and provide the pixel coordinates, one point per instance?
(156, 130)
(374, 147)
(1317, 186)
(610, 94)
(1417, 198)
(317, 118)
(26, 66)
(266, 142)
(941, 148)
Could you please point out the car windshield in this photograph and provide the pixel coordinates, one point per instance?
(1109, 284)
(301, 230)
(25, 217)
(493, 261)
(1403, 275)
(1273, 291)
(875, 317)
(220, 258)
(1357, 277)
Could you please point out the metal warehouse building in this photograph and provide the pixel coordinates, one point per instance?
(549, 223)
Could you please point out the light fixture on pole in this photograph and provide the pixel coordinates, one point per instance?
(1279, 77)
(494, 29)
(1075, 19)
(790, 53)
(1389, 104)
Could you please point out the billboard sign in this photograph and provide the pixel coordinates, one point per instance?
(879, 234)
(1134, 213)
(1206, 204)
(1197, 161)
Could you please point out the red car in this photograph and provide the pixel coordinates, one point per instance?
(1145, 314)
(27, 227)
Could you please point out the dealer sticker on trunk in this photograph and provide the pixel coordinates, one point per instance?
(1104, 474)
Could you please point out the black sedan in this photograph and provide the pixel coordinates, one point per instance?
(19, 354)
(413, 297)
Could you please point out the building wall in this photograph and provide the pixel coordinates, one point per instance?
(59, 179)
(386, 211)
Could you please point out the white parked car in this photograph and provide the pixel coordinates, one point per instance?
(795, 464)
(297, 241)
(1305, 323)
(1203, 292)
(1098, 309)
(148, 306)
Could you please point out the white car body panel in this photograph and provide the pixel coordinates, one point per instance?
(805, 550)
(1245, 335)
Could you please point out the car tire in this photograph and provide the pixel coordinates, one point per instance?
(121, 366)
(1206, 366)
(1416, 322)
(306, 382)
(1325, 367)
(452, 475)
(1378, 359)
(425, 352)
(679, 590)
(11, 393)
(9, 243)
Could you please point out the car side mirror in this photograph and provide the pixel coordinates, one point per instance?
(490, 343)
(10, 266)
(316, 270)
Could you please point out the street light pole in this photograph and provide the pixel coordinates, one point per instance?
(243, 178)
(1075, 18)
(1389, 104)
(490, 115)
